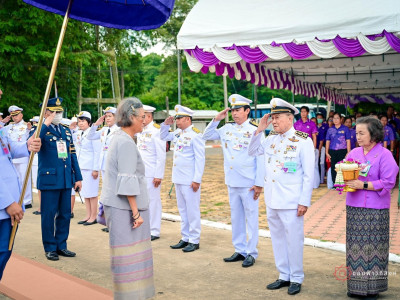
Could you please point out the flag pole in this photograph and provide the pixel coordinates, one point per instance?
(43, 110)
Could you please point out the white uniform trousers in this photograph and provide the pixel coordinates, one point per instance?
(287, 235)
(322, 165)
(316, 169)
(329, 181)
(244, 211)
(21, 169)
(155, 207)
(189, 209)
(34, 175)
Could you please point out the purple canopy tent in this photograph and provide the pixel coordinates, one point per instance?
(341, 51)
(120, 14)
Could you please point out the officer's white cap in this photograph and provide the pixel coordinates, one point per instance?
(1, 113)
(35, 119)
(183, 111)
(14, 110)
(279, 106)
(74, 120)
(148, 108)
(84, 114)
(238, 101)
(110, 109)
(65, 121)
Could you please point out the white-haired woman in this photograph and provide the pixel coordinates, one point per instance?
(126, 203)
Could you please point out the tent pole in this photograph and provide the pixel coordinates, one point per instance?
(225, 97)
(255, 102)
(179, 76)
(42, 112)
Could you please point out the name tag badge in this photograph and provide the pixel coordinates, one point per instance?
(62, 149)
(364, 169)
(290, 166)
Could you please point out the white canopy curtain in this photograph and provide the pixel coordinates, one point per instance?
(339, 50)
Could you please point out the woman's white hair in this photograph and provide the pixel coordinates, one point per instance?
(126, 109)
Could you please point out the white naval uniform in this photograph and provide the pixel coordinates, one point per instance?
(153, 152)
(188, 167)
(105, 140)
(241, 173)
(289, 163)
(88, 154)
(19, 133)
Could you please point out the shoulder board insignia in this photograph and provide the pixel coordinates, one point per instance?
(272, 132)
(231, 122)
(156, 125)
(100, 128)
(195, 130)
(66, 126)
(301, 134)
(253, 123)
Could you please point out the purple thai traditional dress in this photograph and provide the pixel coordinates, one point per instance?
(367, 225)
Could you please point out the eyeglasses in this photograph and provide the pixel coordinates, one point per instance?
(141, 117)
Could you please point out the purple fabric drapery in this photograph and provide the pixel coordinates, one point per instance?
(376, 99)
(348, 47)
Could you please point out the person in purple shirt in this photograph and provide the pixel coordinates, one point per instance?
(306, 125)
(367, 209)
(390, 116)
(337, 143)
(388, 140)
(322, 129)
(348, 124)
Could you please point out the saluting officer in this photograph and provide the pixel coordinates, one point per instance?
(244, 176)
(105, 134)
(187, 170)
(289, 163)
(58, 173)
(18, 132)
(153, 152)
(88, 152)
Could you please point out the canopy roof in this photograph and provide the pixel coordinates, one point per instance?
(121, 14)
(345, 51)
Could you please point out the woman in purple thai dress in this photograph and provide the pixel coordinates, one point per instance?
(367, 225)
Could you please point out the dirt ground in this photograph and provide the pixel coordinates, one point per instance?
(198, 275)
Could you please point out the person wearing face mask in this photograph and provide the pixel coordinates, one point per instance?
(58, 173)
(18, 132)
(348, 124)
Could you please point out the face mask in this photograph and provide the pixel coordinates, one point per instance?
(320, 121)
(353, 124)
(57, 119)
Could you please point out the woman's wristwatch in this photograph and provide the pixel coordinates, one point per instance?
(365, 187)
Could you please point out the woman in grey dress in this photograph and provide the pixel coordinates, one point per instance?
(125, 200)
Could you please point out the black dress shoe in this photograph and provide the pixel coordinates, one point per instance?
(180, 245)
(278, 284)
(72, 215)
(36, 212)
(191, 247)
(294, 288)
(90, 223)
(28, 206)
(82, 222)
(248, 262)
(66, 253)
(154, 237)
(105, 229)
(52, 255)
(235, 257)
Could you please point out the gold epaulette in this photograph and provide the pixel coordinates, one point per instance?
(272, 132)
(231, 122)
(156, 125)
(253, 123)
(100, 128)
(66, 126)
(301, 134)
(195, 130)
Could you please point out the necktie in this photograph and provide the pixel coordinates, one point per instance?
(108, 131)
(57, 129)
